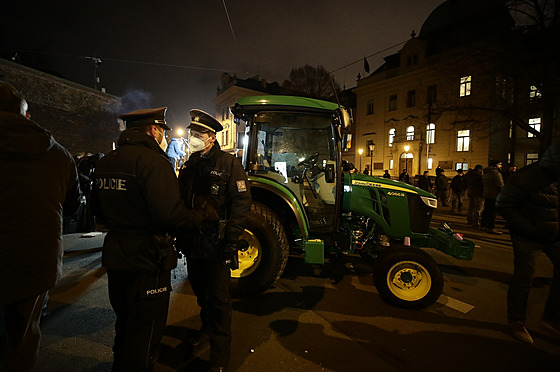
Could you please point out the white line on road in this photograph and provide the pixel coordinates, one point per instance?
(453, 303)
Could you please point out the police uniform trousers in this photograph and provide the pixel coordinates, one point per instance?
(140, 301)
(210, 280)
(20, 334)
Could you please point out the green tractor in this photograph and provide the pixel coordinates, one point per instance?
(303, 201)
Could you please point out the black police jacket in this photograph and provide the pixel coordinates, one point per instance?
(217, 178)
(136, 195)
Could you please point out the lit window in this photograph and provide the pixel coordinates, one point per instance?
(391, 136)
(348, 141)
(393, 102)
(534, 92)
(510, 131)
(410, 133)
(390, 163)
(465, 86)
(430, 163)
(431, 133)
(463, 140)
(531, 158)
(370, 108)
(411, 98)
(463, 166)
(534, 123)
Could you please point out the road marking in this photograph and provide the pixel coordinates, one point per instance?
(455, 304)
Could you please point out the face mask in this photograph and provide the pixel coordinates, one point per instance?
(163, 143)
(196, 144)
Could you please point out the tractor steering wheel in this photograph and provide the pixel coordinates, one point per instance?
(310, 161)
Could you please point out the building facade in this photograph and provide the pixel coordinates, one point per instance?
(450, 98)
(230, 91)
(80, 118)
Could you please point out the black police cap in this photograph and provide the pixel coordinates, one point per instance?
(203, 122)
(143, 117)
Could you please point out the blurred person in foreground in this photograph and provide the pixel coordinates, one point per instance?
(217, 178)
(38, 185)
(136, 196)
(530, 203)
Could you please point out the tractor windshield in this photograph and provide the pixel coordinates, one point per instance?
(299, 151)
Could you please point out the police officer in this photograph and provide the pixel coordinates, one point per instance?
(137, 198)
(217, 178)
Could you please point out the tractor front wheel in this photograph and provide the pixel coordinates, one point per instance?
(407, 278)
(262, 255)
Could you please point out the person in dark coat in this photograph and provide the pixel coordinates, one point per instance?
(530, 203)
(424, 182)
(136, 196)
(442, 185)
(404, 177)
(386, 174)
(492, 183)
(458, 187)
(38, 185)
(473, 179)
(215, 177)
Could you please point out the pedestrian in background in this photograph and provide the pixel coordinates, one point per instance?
(386, 174)
(175, 151)
(492, 183)
(510, 171)
(136, 196)
(38, 185)
(473, 179)
(458, 187)
(442, 185)
(404, 177)
(424, 182)
(530, 203)
(217, 178)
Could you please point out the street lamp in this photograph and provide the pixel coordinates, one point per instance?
(371, 148)
(360, 151)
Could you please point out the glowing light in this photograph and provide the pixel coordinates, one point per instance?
(360, 151)
(180, 132)
(406, 148)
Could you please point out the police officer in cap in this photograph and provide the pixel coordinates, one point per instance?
(137, 198)
(217, 178)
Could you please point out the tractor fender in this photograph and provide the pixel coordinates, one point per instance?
(286, 196)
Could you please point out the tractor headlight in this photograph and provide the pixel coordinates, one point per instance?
(430, 202)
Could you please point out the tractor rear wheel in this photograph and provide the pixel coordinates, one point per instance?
(263, 259)
(407, 278)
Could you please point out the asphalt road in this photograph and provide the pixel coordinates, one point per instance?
(320, 318)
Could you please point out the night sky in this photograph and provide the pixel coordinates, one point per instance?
(172, 53)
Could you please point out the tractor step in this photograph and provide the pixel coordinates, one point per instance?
(314, 251)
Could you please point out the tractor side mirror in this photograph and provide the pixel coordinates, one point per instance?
(329, 173)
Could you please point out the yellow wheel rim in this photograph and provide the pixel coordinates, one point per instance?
(409, 281)
(250, 258)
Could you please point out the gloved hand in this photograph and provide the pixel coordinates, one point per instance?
(230, 254)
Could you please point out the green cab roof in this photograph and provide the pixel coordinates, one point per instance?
(288, 101)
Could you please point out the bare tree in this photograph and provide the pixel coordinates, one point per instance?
(313, 82)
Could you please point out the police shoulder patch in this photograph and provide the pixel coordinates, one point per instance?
(241, 187)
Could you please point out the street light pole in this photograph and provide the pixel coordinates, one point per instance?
(371, 148)
(360, 151)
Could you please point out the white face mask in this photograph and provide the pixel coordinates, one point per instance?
(196, 144)
(163, 143)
